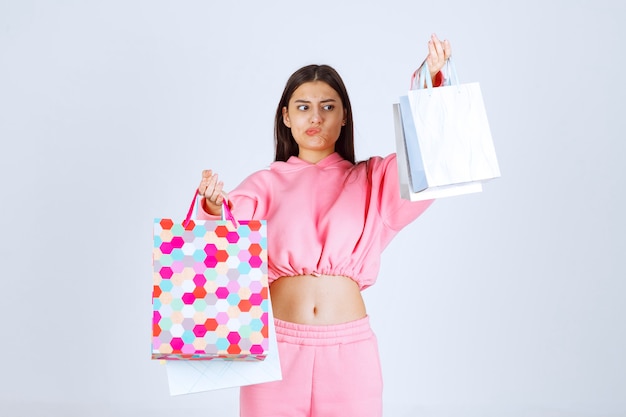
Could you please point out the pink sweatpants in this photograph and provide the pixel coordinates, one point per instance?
(327, 371)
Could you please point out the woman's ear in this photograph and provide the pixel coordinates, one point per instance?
(286, 120)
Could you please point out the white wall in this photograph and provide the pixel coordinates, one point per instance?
(509, 302)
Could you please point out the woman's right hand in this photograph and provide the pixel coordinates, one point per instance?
(211, 189)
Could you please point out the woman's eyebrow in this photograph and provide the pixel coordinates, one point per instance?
(326, 100)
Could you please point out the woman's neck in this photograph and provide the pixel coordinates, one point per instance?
(314, 157)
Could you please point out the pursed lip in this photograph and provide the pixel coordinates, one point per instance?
(313, 131)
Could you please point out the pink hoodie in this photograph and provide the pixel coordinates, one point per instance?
(329, 218)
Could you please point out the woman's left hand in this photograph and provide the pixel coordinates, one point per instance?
(438, 54)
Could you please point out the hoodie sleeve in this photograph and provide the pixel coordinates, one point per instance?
(248, 201)
(395, 211)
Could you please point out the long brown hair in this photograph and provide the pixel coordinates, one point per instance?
(286, 145)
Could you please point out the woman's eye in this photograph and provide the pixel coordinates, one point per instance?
(329, 107)
(303, 107)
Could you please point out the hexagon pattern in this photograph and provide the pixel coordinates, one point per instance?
(210, 290)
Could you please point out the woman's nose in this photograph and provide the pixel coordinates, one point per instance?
(316, 116)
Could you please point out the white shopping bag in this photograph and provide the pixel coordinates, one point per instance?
(443, 139)
(188, 377)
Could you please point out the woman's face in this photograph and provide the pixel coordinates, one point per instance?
(315, 116)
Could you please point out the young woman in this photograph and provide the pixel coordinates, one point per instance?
(329, 220)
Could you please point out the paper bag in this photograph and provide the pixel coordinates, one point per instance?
(444, 134)
(210, 290)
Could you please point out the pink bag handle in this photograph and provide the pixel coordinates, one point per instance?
(226, 213)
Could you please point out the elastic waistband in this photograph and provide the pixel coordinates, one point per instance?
(325, 335)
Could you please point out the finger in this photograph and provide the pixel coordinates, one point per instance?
(435, 56)
(219, 187)
(432, 52)
(447, 49)
(434, 60)
(438, 46)
(211, 187)
(206, 186)
(216, 194)
(206, 176)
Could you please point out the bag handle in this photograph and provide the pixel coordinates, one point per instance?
(226, 213)
(422, 73)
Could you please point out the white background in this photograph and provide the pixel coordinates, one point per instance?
(506, 303)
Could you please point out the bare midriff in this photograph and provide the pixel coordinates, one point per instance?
(317, 300)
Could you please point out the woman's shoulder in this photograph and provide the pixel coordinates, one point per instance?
(376, 164)
(262, 175)
(383, 159)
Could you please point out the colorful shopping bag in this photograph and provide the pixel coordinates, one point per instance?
(210, 289)
(444, 134)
